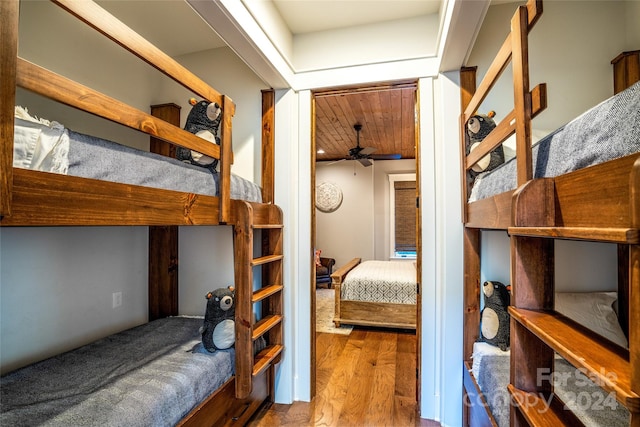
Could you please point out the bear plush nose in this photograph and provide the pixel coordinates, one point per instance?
(226, 303)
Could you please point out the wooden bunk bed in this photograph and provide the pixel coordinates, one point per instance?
(375, 309)
(599, 203)
(34, 198)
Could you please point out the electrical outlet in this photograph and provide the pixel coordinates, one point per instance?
(117, 299)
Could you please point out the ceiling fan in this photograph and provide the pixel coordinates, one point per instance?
(365, 154)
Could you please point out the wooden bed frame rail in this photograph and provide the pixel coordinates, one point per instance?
(19, 72)
(527, 104)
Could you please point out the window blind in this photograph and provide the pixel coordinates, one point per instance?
(405, 215)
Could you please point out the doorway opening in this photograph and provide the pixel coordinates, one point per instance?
(361, 136)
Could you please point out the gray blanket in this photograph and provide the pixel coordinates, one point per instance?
(91, 157)
(593, 405)
(146, 376)
(607, 131)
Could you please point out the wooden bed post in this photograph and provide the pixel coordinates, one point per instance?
(467, 89)
(226, 159)
(8, 61)
(268, 145)
(163, 240)
(626, 70)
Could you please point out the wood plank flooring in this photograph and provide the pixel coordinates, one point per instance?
(367, 378)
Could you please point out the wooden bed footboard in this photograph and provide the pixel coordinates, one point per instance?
(364, 313)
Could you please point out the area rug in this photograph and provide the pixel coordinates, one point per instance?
(325, 310)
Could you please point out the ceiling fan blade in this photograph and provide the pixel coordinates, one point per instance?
(329, 163)
(385, 156)
(365, 162)
(367, 150)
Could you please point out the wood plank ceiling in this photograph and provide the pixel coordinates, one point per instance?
(387, 113)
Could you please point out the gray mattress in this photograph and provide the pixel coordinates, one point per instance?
(91, 157)
(48, 146)
(593, 405)
(150, 375)
(607, 131)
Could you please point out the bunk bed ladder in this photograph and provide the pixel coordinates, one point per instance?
(537, 330)
(264, 302)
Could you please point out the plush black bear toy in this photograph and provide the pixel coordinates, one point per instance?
(203, 120)
(218, 331)
(494, 317)
(478, 127)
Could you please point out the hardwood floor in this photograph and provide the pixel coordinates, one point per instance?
(367, 378)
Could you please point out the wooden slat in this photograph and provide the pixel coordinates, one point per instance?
(534, 11)
(606, 364)
(266, 292)
(68, 92)
(611, 235)
(9, 13)
(265, 358)
(507, 127)
(47, 199)
(102, 21)
(496, 68)
(538, 412)
(265, 325)
(265, 259)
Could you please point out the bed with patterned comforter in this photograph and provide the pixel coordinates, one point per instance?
(377, 293)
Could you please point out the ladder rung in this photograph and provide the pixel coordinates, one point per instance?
(265, 292)
(265, 259)
(265, 324)
(265, 357)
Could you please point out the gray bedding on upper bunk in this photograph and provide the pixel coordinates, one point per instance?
(149, 375)
(605, 132)
(52, 148)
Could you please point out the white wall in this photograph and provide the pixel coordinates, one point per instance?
(570, 49)
(364, 44)
(57, 284)
(359, 228)
(347, 232)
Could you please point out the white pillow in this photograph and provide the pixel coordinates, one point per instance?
(593, 310)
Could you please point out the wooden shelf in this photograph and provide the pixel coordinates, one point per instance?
(265, 260)
(604, 363)
(265, 292)
(629, 236)
(265, 358)
(538, 412)
(265, 324)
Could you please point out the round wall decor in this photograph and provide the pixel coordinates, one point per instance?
(328, 197)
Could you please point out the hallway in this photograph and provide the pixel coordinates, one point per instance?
(366, 378)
